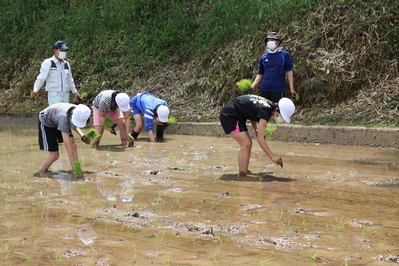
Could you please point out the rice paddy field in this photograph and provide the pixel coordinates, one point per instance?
(180, 202)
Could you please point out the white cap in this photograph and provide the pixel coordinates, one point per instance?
(163, 113)
(122, 100)
(286, 108)
(80, 115)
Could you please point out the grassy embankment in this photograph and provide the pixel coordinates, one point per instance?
(191, 53)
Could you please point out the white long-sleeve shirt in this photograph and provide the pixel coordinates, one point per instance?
(57, 76)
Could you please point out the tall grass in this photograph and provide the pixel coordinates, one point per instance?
(113, 40)
(126, 29)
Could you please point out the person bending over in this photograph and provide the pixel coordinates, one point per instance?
(151, 107)
(55, 123)
(115, 105)
(258, 110)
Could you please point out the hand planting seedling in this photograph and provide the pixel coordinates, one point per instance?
(78, 169)
(244, 85)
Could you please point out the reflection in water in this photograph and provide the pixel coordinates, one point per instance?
(181, 202)
(86, 233)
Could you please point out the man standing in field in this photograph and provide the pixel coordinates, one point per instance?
(273, 68)
(56, 73)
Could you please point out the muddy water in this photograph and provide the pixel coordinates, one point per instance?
(180, 202)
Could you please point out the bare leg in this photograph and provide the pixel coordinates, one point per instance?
(53, 156)
(122, 131)
(244, 154)
(139, 123)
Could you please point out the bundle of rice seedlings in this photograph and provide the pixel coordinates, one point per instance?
(171, 119)
(92, 134)
(78, 169)
(108, 122)
(244, 85)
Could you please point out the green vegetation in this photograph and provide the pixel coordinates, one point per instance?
(78, 169)
(108, 122)
(92, 134)
(244, 85)
(192, 53)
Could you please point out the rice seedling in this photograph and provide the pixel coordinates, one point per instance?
(66, 236)
(7, 248)
(134, 251)
(176, 199)
(171, 119)
(285, 222)
(43, 214)
(131, 232)
(108, 122)
(381, 245)
(10, 226)
(200, 215)
(159, 237)
(364, 230)
(215, 203)
(244, 85)
(87, 191)
(92, 134)
(58, 255)
(24, 255)
(340, 226)
(217, 251)
(33, 225)
(304, 223)
(79, 221)
(267, 261)
(313, 258)
(218, 237)
(78, 169)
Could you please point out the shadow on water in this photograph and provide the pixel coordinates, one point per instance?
(63, 175)
(113, 148)
(260, 177)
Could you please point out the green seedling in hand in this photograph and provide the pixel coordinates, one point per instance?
(171, 119)
(108, 122)
(244, 85)
(92, 134)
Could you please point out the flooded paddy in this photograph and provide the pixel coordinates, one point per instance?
(180, 202)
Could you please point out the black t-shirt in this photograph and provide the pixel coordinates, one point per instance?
(253, 107)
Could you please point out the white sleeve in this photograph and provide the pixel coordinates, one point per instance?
(44, 71)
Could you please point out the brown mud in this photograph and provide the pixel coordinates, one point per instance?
(180, 202)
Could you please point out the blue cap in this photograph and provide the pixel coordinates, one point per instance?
(60, 45)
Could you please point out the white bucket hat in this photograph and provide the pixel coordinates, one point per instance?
(163, 113)
(286, 108)
(80, 115)
(122, 100)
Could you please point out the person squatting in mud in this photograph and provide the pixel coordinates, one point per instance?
(151, 107)
(55, 123)
(115, 105)
(258, 110)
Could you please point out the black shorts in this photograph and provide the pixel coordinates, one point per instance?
(231, 121)
(272, 95)
(49, 137)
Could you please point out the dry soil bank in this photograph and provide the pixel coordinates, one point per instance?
(362, 136)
